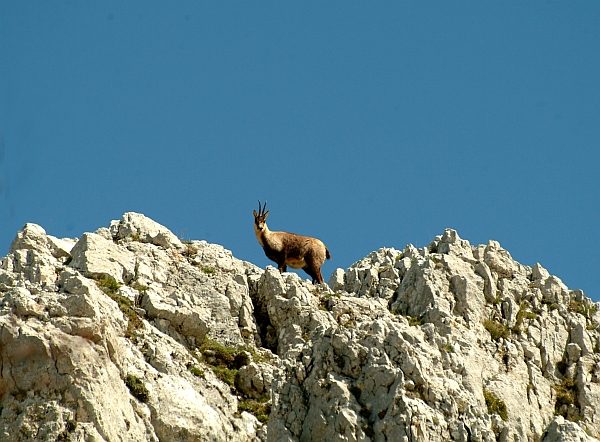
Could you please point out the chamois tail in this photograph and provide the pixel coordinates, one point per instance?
(327, 254)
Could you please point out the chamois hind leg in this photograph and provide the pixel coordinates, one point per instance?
(310, 271)
(320, 279)
(313, 263)
(314, 270)
(282, 268)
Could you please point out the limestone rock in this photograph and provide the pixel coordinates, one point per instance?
(189, 321)
(561, 430)
(141, 337)
(82, 360)
(32, 237)
(255, 379)
(140, 228)
(98, 257)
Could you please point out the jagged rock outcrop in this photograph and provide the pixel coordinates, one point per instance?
(99, 337)
(128, 333)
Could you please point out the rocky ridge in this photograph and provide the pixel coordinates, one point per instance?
(130, 334)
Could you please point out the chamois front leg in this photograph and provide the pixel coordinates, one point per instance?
(282, 267)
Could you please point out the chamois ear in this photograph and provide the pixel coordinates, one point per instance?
(266, 213)
(255, 214)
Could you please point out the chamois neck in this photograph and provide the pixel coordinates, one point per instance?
(262, 235)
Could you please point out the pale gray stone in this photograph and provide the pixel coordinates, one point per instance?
(187, 320)
(336, 281)
(539, 273)
(400, 346)
(31, 237)
(140, 228)
(489, 290)
(451, 243)
(561, 430)
(97, 257)
(499, 260)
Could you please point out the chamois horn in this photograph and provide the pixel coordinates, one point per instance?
(261, 211)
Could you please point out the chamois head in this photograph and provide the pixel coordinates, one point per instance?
(260, 218)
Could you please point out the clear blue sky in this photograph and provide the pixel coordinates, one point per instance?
(366, 124)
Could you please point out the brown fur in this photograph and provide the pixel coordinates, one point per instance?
(299, 252)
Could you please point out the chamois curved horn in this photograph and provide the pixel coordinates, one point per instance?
(261, 211)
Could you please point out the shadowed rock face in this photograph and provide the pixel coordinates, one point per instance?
(130, 334)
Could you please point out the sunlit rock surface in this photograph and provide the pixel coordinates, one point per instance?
(130, 334)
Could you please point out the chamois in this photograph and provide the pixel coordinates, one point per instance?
(299, 252)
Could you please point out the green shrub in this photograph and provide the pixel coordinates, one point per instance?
(261, 408)
(581, 308)
(110, 286)
(448, 348)
(107, 284)
(415, 320)
(523, 314)
(495, 405)
(140, 287)
(566, 394)
(220, 355)
(196, 371)
(226, 375)
(137, 388)
(496, 329)
(383, 269)
(225, 361)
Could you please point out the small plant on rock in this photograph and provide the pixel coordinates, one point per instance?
(140, 287)
(415, 320)
(496, 329)
(107, 284)
(581, 308)
(523, 314)
(190, 251)
(324, 302)
(137, 388)
(261, 408)
(566, 400)
(551, 305)
(224, 361)
(448, 348)
(196, 371)
(495, 405)
(384, 269)
(110, 286)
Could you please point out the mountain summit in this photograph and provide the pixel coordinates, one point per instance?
(130, 334)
